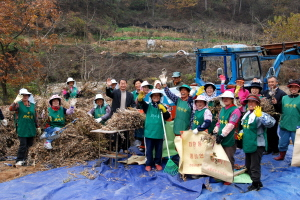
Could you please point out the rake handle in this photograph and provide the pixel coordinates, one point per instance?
(163, 123)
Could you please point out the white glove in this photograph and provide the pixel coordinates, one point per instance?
(193, 90)
(163, 79)
(4, 122)
(216, 129)
(89, 114)
(73, 102)
(98, 120)
(18, 98)
(195, 131)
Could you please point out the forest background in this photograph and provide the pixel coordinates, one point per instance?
(46, 41)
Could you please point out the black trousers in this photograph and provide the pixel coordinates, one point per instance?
(253, 163)
(273, 138)
(25, 143)
(156, 144)
(230, 151)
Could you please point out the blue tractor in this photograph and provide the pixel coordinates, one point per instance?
(240, 60)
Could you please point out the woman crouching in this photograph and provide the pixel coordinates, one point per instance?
(154, 131)
(254, 124)
(56, 119)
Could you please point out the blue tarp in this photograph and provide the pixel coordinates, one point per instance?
(280, 180)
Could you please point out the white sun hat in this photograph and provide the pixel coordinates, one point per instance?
(70, 79)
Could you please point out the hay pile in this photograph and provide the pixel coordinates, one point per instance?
(216, 108)
(76, 144)
(268, 107)
(125, 119)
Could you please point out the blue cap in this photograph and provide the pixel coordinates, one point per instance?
(176, 74)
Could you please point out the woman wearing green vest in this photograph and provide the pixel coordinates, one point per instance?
(184, 106)
(290, 118)
(229, 118)
(56, 119)
(26, 123)
(101, 110)
(209, 92)
(154, 131)
(71, 90)
(254, 124)
(201, 116)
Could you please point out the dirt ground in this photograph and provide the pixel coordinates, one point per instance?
(12, 172)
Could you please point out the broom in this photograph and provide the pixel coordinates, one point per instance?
(170, 168)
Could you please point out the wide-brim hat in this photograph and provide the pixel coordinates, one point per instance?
(227, 94)
(98, 96)
(184, 86)
(255, 85)
(70, 80)
(113, 81)
(252, 97)
(156, 91)
(155, 82)
(200, 98)
(55, 97)
(176, 74)
(209, 84)
(145, 83)
(24, 91)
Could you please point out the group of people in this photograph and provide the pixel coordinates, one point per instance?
(241, 116)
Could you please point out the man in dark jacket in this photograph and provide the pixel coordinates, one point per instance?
(121, 99)
(274, 94)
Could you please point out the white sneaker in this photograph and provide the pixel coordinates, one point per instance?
(48, 145)
(20, 163)
(43, 136)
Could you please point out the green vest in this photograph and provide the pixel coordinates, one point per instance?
(135, 94)
(228, 141)
(99, 111)
(73, 93)
(57, 118)
(26, 120)
(198, 118)
(249, 136)
(214, 117)
(290, 117)
(183, 115)
(153, 124)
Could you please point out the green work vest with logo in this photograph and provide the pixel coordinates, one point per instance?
(249, 136)
(198, 118)
(26, 120)
(153, 124)
(214, 118)
(57, 118)
(290, 117)
(228, 141)
(183, 115)
(99, 111)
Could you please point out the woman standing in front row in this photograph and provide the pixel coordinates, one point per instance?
(254, 124)
(154, 132)
(26, 123)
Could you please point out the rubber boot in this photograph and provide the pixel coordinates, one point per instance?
(281, 156)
